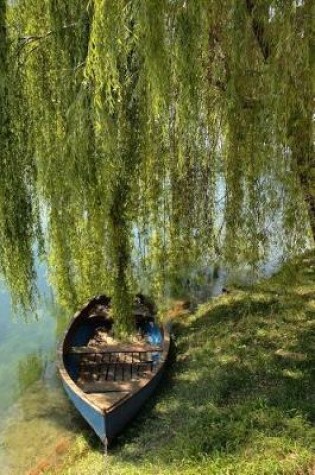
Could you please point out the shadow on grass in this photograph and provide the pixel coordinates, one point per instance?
(243, 370)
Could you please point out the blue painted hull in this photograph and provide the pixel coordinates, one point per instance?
(94, 417)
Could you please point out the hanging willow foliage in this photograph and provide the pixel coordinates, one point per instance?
(155, 135)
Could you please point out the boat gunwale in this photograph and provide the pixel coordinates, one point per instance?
(66, 379)
(64, 374)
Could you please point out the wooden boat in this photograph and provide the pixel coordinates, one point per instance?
(108, 383)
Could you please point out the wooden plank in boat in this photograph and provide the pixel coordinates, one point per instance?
(106, 400)
(82, 350)
(108, 387)
(114, 371)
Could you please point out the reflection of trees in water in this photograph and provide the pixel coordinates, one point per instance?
(61, 317)
(30, 370)
(120, 117)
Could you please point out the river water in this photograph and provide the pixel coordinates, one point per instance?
(36, 421)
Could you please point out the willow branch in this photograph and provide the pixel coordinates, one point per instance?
(259, 30)
(25, 40)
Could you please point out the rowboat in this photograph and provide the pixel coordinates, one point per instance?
(108, 383)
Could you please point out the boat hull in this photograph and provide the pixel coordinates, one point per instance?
(109, 422)
(93, 416)
(116, 419)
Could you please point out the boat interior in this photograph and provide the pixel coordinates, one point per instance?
(104, 370)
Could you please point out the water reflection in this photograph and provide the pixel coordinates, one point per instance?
(34, 413)
(34, 426)
(30, 370)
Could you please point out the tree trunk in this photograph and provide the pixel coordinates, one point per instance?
(309, 197)
(300, 128)
(300, 140)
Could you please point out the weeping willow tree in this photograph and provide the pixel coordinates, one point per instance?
(144, 136)
(17, 212)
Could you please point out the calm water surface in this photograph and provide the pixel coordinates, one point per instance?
(36, 420)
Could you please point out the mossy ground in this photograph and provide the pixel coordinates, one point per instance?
(239, 393)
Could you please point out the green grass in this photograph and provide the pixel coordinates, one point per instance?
(238, 398)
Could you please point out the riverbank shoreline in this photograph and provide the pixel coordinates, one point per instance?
(238, 396)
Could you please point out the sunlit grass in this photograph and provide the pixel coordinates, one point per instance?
(238, 396)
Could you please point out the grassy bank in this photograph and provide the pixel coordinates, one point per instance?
(239, 392)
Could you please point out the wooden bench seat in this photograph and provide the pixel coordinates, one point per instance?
(113, 386)
(107, 400)
(86, 350)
